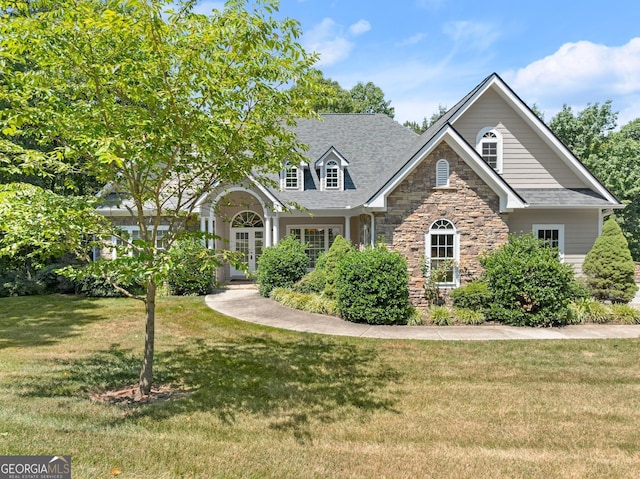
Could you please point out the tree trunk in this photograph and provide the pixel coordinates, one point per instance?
(146, 374)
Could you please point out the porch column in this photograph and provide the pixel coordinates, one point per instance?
(373, 229)
(276, 228)
(268, 235)
(203, 229)
(347, 228)
(214, 227)
(210, 241)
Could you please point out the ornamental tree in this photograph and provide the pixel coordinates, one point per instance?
(609, 267)
(157, 101)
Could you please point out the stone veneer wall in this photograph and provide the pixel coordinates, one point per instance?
(416, 203)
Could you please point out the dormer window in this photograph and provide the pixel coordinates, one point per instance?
(291, 177)
(489, 145)
(332, 175)
(331, 167)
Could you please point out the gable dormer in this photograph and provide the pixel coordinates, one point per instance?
(331, 168)
(292, 177)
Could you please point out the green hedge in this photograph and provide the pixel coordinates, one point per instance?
(372, 286)
(282, 265)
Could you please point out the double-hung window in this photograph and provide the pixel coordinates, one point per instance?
(489, 145)
(552, 235)
(318, 239)
(442, 251)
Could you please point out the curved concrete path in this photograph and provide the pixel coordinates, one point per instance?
(248, 305)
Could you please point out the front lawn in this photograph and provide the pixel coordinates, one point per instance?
(249, 401)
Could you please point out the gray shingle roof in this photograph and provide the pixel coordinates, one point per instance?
(373, 144)
(545, 197)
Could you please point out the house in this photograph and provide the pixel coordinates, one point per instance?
(487, 168)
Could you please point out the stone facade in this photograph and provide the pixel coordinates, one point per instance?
(416, 203)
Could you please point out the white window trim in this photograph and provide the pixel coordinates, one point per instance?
(559, 227)
(299, 177)
(456, 252)
(499, 139)
(337, 228)
(130, 230)
(442, 170)
(334, 165)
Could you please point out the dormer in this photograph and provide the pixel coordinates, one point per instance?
(331, 170)
(292, 177)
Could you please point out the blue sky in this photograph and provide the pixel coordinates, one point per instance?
(426, 53)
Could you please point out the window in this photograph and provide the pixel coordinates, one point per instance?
(490, 147)
(552, 235)
(247, 219)
(318, 239)
(133, 234)
(442, 173)
(291, 177)
(442, 252)
(332, 175)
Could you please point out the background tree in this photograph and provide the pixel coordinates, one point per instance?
(612, 156)
(162, 103)
(420, 128)
(609, 267)
(369, 98)
(362, 98)
(586, 131)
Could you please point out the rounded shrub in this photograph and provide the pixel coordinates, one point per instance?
(281, 265)
(193, 268)
(372, 286)
(474, 295)
(609, 267)
(327, 263)
(312, 282)
(528, 283)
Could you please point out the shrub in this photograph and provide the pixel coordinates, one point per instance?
(468, 316)
(609, 267)
(96, 286)
(597, 312)
(54, 282)
(440, 316)
(193, 268)
(280, 266)
(625, 314)
(327, 263)
(312, 282)
(312, 303)
(529, 284)
(372, 286)
(475, 296)
(19, 283)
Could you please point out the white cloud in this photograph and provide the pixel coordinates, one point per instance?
(473, 35)
(582, 66)
(328, 39)
(360, 27)
(413, 40)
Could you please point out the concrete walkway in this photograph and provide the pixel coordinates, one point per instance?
(248, 305)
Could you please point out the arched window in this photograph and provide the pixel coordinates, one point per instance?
(332, 175)
(442, 251)
(247, 219)
(291, 177)
(442, 173)
(489, 145)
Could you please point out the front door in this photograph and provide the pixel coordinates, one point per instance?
(247, 238)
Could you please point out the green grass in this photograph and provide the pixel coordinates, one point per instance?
(270, 403)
